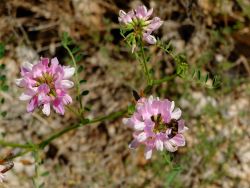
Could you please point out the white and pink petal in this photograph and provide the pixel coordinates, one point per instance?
(68, 72)
(159, 144)
(169, 146)
(178, 140)
(142, 137)
(176, 114)
(148, 153)
(46, 109)
(134, 144)
(67, 84)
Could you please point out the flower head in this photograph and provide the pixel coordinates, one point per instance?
(46, 84)
(157, 125)
(138, 21)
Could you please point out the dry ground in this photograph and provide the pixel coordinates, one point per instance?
(215, 36)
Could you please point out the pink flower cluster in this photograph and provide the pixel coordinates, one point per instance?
(157, 125)
(46, 84)
(138, 20)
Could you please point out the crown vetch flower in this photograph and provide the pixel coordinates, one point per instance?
(138, 21)
(46, 84)
(157, 125)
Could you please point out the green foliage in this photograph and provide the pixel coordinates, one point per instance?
(205, 58)
(76, 57)
(126, 30)
(148, 89)
(3, 113)
(38, 162)
(85, 92)
(187, 73)
(181, 69)
(203, 79)
(80, 69)
(2, 50)
(82, 81)
(87, 108)
(108, 37)
(245, 7)
(166, 168)
(174, 172)
(2, 67)
(66, 40)
(5, 88)
(131, 109)
(130, 40)
(3, 80)
(85, 120)
(46, 173)
(166, 47)
(2, 100)
(75, 50)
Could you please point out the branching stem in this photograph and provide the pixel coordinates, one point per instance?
(29, 147)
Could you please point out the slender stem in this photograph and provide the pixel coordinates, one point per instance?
(111, 116)
(14, 145)
(41, 145)
(19, 154)
(72, 127)
(73, 110)
(144, 63)
(160, 81)
(76, 78)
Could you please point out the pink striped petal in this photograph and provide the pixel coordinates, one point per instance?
(46, 109)
(178, 140)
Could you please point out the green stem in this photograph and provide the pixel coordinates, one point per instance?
(15, 145)
(72, 127)
(73, 110)
(144, 63)
(44, 143)
(76, 78)
(20, 154)
(160, 81)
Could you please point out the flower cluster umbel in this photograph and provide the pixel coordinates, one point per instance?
(46, 84)
(157, 125)
(138, 21)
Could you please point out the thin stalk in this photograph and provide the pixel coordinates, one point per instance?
(144, 63)
(76, 78)
(44, 143)
(73, 110)
(14, 145)
(20, 154)
(160, 81)
(72, 127)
